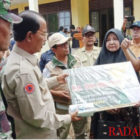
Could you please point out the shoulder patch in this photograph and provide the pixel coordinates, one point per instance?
(29, 88)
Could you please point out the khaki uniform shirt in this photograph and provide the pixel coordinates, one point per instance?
(29, 100)
(135, 48)
(86, 58)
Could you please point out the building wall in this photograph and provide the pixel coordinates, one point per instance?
(95, 5)
(128, 3)
(136, 10)
(80, 12)
(100, 4)
(55, 7)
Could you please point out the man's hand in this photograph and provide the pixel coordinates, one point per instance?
(74, 116)
(129, 55)
(125, 44)
(61, 78)
(138, 104)
(61, 93)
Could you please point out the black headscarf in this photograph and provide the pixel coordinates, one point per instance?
(105, 56)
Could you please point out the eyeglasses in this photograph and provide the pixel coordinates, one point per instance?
(45, 34)
(136, 29)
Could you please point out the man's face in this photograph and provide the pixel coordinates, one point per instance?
(136, 33)
(89, 39)
(40, 37)
(4, 34)
(61, 50)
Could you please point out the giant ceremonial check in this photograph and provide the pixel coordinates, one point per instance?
(103, 87)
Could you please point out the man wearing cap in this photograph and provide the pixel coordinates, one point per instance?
(131, 48)
(135, 43)
(27, 92)
(6, 19)
(89, 53)
(46, 56)
(61, 61)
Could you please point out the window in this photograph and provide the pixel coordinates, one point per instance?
(52, 22)
(64, 19)
(95, 20)
(128, 12)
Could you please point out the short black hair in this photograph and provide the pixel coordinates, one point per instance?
(30, 23)
(55, 46)
(72, 27)
(65, 30)
(61, 28)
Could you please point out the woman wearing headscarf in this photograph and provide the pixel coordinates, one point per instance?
(111, 53)
(107, 56)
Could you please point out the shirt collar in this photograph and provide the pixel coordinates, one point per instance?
(71, 61)
(84, 48)
(30, 57)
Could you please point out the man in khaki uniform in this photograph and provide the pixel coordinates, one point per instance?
(61, 61)
(29, 100)
(89, 53)
(134, 45)
(135, 42)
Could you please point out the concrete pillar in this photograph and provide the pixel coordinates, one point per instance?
(33, 5)
(80, 12)
(118, 13)
(136, 5)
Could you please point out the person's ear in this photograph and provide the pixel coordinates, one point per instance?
(29, 36)
(54, 50)
(84, 39)
(95, 38)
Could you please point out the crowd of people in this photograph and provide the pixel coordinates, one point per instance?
(35, 98)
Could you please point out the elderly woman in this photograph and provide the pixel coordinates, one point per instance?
(111, 53)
